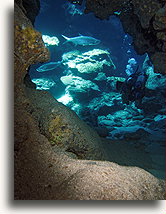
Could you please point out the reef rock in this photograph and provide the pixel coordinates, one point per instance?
(154, 81)
(88, 62)
(113, 82)
(58, 124)
(106, 103)
(50, 40)
(130, 133)
(43, 83)
(80, 88)
(30, 8)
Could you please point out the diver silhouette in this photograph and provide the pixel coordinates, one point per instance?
(133, 89)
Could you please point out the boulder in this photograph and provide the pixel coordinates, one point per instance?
(130, 133)
(80, 89)
(79, 83)
(87, 62)
(106, 103)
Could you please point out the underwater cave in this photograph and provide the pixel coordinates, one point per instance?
(90, 99)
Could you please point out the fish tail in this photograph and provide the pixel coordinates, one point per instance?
(65, 37)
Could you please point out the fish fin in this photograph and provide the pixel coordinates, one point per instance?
(65, 37)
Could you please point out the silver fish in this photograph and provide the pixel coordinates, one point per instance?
(82, 40)
(48, 66)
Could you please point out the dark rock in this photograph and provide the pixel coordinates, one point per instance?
(147, 120)
(139, 134)
(137, 123)
(151, 105)
(158, 59)
(157, 124)
(28, 82)
(145, 17)
(106, 109)
(130, 133)
(102, 131)
(159, 22)
(32, 8)
(139, 117)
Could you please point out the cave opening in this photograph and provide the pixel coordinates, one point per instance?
(85, 77)
(93, 66)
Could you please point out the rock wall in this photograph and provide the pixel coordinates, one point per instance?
(50, 140)
(143, 20)
(30, 8)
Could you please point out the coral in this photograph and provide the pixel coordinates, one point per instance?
(28, 49)
(29, 42)
(57, 130)
(78, 85)
(43, 83)
(70, 55)
(48, 40)
(67, 80)
(95, 52)
(88, 62)
(65, 99)
(122, 79)
(101, 76)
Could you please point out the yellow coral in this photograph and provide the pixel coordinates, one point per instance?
(57, 131)
(29, 45)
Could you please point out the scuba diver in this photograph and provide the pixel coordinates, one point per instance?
(133, 89)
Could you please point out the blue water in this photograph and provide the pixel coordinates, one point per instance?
(55, 20)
